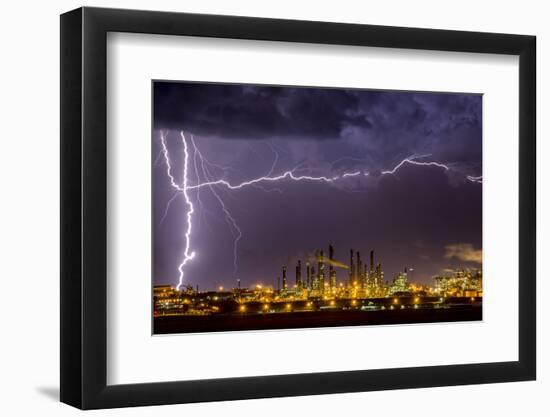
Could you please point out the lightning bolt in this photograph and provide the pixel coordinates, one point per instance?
(353, 174)
(270, 172)
(187, 255)
(287, 174)
(167, 208)
(255, 182)
(412, 160)
(234, 227)
(291, 175)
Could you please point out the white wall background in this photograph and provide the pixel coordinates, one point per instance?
(29, 225)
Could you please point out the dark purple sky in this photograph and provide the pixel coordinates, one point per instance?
(422, 217)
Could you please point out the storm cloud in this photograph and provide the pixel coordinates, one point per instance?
(386, 125)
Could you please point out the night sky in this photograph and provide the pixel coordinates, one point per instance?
(421, 217)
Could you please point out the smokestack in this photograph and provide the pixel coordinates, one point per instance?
(308, 275)
(284, 277)
(331, 257)
(359, 266)
(321, 265)
(372, 260)
(351, 268)
(299, 274)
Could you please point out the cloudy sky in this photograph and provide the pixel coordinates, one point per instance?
(421, 216)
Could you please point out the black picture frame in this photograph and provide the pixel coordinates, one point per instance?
(84, 209)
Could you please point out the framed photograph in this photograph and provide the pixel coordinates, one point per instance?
(258, 208)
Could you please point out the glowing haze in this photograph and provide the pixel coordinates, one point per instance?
(250, 178)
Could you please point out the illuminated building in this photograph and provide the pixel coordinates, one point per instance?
(400, 283)
(460, 283)
(167, 300)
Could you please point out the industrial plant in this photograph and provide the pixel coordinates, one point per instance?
(314, 287)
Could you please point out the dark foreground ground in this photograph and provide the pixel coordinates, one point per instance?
(217, 323)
